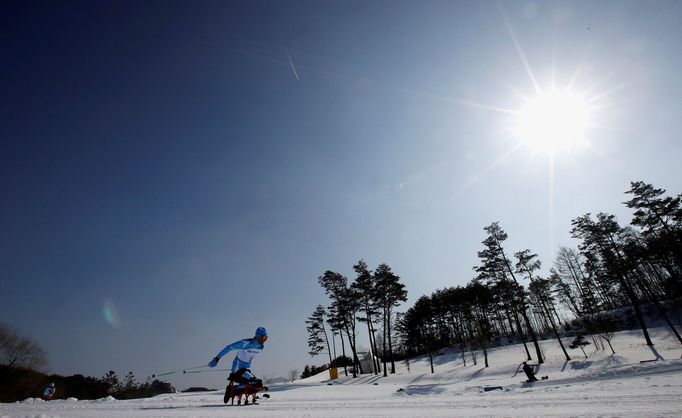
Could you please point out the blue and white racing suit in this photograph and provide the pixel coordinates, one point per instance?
(248, 350)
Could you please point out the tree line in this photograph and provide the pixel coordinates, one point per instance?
(616, 272)
(22, 360)
(371, 298)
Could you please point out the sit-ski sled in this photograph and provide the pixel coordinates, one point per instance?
(239, 388)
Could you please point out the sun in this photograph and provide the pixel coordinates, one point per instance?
(553, 121)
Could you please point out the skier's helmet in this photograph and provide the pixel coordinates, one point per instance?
(261, 332)
(51, 385)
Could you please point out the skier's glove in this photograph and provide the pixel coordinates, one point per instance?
(214, 362)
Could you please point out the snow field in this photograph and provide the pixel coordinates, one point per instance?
(627, 384)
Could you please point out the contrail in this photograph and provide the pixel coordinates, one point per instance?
(292, 63)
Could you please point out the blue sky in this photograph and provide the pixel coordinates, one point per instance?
(192, 168)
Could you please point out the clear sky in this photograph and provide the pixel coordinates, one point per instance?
(175, 174)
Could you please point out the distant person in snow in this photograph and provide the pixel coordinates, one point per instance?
(529, 372)
(248, 349)
(48, 392)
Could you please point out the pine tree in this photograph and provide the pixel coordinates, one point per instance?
(541, 291)
(346, 303)
(481, 300)
(112, 382)
(579, 342)
(365, 284)
(417, 323)
(129, 383)
(389, 293)
(318, 338)
(661, 221)
(495, 265)
(306, 372)
(602, 238)
(527, 264)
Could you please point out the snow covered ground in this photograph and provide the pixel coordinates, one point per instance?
(626, 384)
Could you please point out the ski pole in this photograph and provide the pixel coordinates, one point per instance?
(209, 370)
(181, 370)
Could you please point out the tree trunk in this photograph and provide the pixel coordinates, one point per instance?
(353, 347)
(523, 309)
(334, 343)
(638, 313)
(660, 309)
(383, 359)
(532, 336)
(343, 353)
(521, 334)
(485, 355)
(471, 339)
(428, 347)
(375, 358)
(329, 349)
(483, 325)
(390, 345)
(629, 291)
(372, 342)
(556, 333)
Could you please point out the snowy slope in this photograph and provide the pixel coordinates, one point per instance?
(625, 384)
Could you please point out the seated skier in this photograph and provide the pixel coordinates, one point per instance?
(529, 372)
(248, 349)
(48, 392)
(246, 377)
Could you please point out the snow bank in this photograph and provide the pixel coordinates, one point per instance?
(31, 400)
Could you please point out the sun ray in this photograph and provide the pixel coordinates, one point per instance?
(572, 158)
(519, 50)
(553, 73)
(518, 93)
(577, 72)
(472, 104)
(554, 55)
(551, 203)
(607, 76)
(606, 93)
(609, 128)
(603, 155)
(598, 108)
(495, 163)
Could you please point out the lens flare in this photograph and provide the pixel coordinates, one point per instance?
(110, 314)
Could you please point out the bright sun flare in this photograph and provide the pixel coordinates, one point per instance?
(553, 120)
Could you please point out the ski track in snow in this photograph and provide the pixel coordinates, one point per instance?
(627, 384)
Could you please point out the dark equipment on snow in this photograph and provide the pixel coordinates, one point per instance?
(241, 386)
(529, 372)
